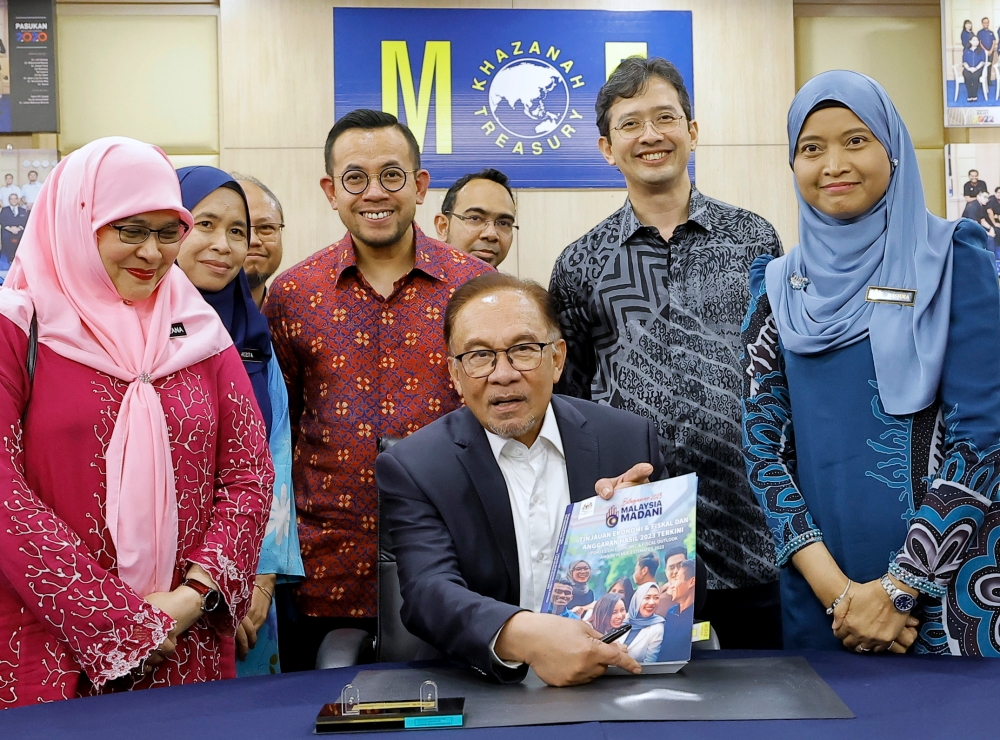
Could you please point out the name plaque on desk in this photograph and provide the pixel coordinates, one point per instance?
(427, 712)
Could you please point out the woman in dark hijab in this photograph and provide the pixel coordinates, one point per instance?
(212, 257)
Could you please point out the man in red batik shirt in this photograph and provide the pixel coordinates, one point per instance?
(357, 328)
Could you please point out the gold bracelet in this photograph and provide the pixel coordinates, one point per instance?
(270, 596)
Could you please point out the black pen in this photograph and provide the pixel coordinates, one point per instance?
(616, 633)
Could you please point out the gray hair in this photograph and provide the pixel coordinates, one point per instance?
(240, 177)
(631, 79)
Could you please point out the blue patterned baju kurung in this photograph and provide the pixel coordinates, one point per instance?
(912, 495)
(280, 553)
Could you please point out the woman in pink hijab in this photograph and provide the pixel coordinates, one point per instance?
(134, 469)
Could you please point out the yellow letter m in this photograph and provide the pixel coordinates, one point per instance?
(437, 66)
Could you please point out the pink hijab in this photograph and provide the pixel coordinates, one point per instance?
(58, 274)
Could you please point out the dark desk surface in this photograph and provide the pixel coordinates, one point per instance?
(904, 698)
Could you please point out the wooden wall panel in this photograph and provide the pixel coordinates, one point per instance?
(116, 78)
(277, 73)
(554, 219)
(756, 178)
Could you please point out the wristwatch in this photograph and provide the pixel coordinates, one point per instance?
(211, 600)
(901, 601)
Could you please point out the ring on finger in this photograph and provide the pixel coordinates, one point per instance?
(890, 645)
(862, 649)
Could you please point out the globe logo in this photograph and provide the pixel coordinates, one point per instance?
(529, 98)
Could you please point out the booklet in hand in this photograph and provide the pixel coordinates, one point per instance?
(630, 560)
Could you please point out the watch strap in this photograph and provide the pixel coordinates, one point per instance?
(210, 598)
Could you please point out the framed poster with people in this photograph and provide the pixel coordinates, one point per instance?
(972, 186)
(971, 71)
(28, 67)
(22, 173)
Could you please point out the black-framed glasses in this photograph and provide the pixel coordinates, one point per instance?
(268, 231)
(479, 363)
(392, 179)
(133, 234)
(475, 221)
(633, 128)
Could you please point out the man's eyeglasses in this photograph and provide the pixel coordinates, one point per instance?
(132, 234)
(633, 128)
(266, 232)
(475, 221)
(392, 179)
(480, 363)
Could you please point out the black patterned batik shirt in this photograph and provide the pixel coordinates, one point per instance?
(653, 327)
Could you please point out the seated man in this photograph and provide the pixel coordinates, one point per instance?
(477, 216)
(474, 501)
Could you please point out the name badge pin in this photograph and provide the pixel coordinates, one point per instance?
(894, 296)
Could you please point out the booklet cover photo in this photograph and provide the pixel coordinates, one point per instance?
(630, 561)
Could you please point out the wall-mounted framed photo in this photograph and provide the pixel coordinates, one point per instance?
(971, 62)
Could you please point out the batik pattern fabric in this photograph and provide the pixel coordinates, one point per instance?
(915, 496)
(358, 367)
(280, 554)
(69, 625)
(653, 327)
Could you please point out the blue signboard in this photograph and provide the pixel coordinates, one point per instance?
(511, 89)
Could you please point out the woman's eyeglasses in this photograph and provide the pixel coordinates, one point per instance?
(132, 234)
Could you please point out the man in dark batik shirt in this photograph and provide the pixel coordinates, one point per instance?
(650, 303)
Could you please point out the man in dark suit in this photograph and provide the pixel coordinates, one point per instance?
(474, 501)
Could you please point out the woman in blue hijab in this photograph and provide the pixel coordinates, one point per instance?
(212, 257)
(871, 411)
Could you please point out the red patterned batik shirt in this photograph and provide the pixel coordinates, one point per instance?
(358, 367)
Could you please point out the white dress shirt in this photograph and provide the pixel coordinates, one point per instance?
(5, 193)
(29, 191)
(538, 490)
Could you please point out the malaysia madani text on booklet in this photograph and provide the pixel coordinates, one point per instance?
(630, 561)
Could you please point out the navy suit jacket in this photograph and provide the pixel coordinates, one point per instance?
(444, 501)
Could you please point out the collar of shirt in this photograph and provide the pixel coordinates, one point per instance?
(432, 257)
(699, 212)
(549, 433)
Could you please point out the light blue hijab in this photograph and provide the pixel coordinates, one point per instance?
(897, 244)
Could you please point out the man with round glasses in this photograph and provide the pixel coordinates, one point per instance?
(650, 303)
(474, 502)
(477, 216)
(357, 331)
